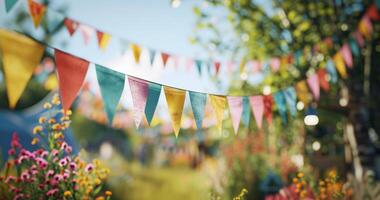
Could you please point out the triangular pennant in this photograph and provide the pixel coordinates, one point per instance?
(111, 85)
(165, 58)
(103, 39)
(365, 27)
(152, 54)
(175, 99)
(198, 64)
(330, 67)
(346, 54)
(53, 20)
(373, 13)
(136, 50)
(37, 12)
(217, 67)
(323, 83)
(9, 4)
(313, 83)
(354, 47)
(275, 64)
(246, 111)
(303, 92)
(71, 25)
(291, 100)
(359, 38)
(235, 104)
(87, 32)
(257, 106)
(154, 91)
(139, 91)
(377, 3)
(198, 102)
(279, 98)
(71, 73)
(219, 105)
(21, 55)
(339, 65)
(268, 107)
(208, 64)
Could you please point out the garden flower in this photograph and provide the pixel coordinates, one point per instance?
(51, 192)
(35, 141)
(68, 149)
(24, 176)
(11, 152)
(73, 166)
(89, 168)
(15, 141)
(58, 177)
(10, 179)
(47, 105)
(42, 163)
(54, 152)
(50, 173)
(42, 120)
(44, 154)
(67, 193)
(51, 121)
(63, 162)
(37, 129)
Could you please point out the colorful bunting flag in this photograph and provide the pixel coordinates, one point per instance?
(165, 58)
(136, 50)
(377, 3)
(154, 91)
(218, 103)
(217, 67)
(346, 54)
(330, 67)
(175, 99)
(152, 54)
(71, 72)
(37, 12)
(359, 38)
(291, 100)
(313, 83)
(139, 91)
(103, 39)
(21, 55)
(111, 85)
(235, 104)
(303, 92)
(279, 98)
(71, 26)
(323, 83)
(365, 27)
(198, 64)
(257, 106)
(268, 107)
(354, 47)
(339, 65)
(198, 102)
(373, 13)
(87, 32)
(9, 4)
(54, 20)
(246, 111)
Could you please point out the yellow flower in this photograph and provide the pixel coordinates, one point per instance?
(42, 120)
(56, 100)
(35, 141)
(51, 121)
(37, 129)
(100, 198)
(67, 193)
(47, 105)
(98, 181)
(58, 136)
(56, 126)
(108, 193)
(300, 175)
(96, 162)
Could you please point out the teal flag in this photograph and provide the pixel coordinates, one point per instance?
(152, 54)
(332, 71)
(53, 20)
(291, 100)
(246, 115)
(198, 103)
(198, 63)
(377, 2)
(9, 4)
(354, 47)
(279, 98)
(111, 85)
(154, 91)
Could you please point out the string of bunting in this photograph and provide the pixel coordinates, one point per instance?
(22, 54)
(54, 20)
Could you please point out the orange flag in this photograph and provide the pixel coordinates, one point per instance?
(37, 11)
(71, 73)
(340, 65)
(21, 55)
(165, 58)
(103, 39)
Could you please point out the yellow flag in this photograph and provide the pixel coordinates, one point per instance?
(136, 50)
(219, 105)
(303, 93)
(104, 41)
(339, 64)
(175, 99)
(21, 55)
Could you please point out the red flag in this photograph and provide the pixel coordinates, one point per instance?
(37, 11)
(217, 67)
(71, 73)
(165, 58)
(373, 13)
(71, 26)
(268, 106)
(323, 83)
(99, 35)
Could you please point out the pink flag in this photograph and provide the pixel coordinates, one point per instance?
(359, 38)
(189, 64)
(313, 83)
(257, 106)
(87, 33)
(139, 91)
(347, 56)
(275, 64)
(236, 109)
(256, 66)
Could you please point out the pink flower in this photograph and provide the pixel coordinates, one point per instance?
(63, 162)
(11, 152)
(18, 196)
(51, 192)
(50, 173)
(66, 175)
(44, 154)
(20, 159)
(89, 167)
(15, 141)
(9, 179)
(24, 176)
(58, 177)
(42, 163)
(63, 145)
(73, 166)
(68, 149)
(54, 152)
